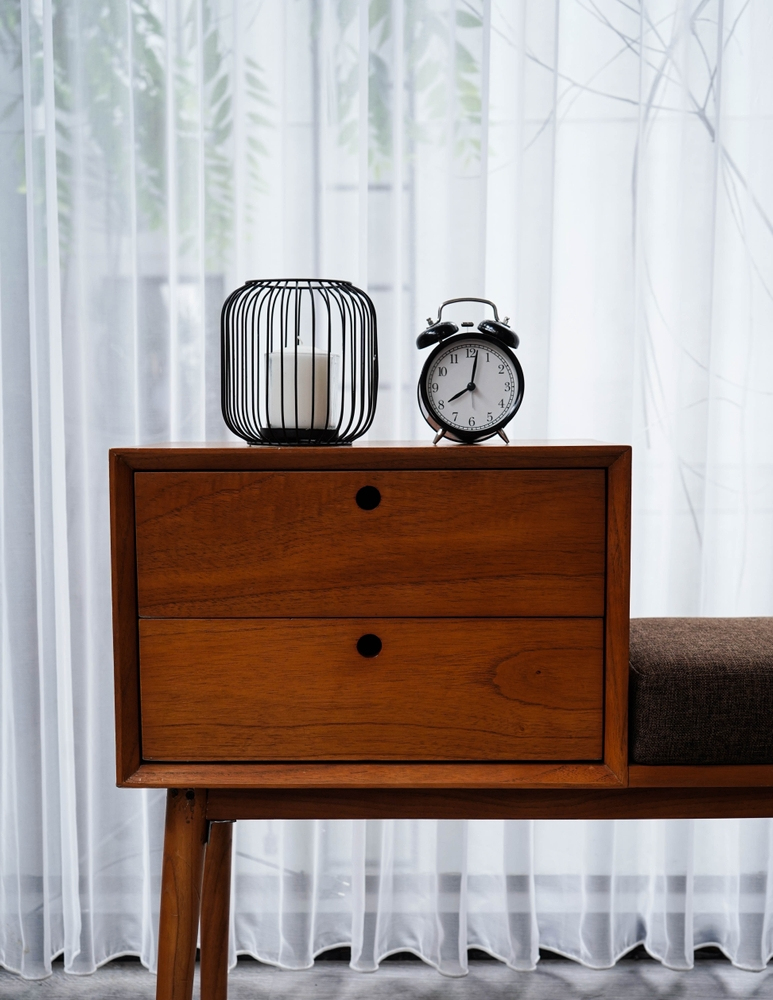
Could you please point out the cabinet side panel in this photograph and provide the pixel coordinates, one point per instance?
(125, 636)
(617, 621)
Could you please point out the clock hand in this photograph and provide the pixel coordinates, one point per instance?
(468, 388)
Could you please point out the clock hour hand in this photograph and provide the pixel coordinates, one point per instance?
(468, 388)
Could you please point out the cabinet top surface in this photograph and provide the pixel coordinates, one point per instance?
(237, 456)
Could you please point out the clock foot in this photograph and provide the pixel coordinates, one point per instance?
(504, 436)
(440, 434)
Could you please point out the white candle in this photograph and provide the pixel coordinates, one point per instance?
(283, 379)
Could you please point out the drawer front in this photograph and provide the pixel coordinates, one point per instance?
(440, 689)
(276, 544)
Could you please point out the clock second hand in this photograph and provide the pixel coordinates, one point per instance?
(470, 387)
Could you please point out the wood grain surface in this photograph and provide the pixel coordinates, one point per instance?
(441, 542)
(355, 776)
(125, 636)
(617, 621)
(235, 456)
(181, 879)
(216, 912)
(441, 689)
(700, 775)
(544, 803)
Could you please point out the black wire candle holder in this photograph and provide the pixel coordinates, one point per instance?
(299, 361)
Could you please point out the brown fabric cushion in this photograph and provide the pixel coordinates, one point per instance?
(701, 691)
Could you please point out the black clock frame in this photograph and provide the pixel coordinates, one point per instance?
(435, 421)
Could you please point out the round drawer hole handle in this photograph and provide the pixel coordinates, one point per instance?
(368, 498)
(369, 645)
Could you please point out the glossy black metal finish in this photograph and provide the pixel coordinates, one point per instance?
(299, 361)
(440, 329)
(435, 333)
(500, 331)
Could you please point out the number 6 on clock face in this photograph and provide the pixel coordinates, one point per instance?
(470, 387)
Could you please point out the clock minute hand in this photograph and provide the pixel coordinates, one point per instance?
(471, 385)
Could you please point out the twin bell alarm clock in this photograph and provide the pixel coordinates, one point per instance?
(471, 384)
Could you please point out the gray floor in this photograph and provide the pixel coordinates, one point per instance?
(555, 979)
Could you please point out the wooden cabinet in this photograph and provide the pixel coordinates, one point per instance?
(286, 646)
(495, 580)
(362, 631)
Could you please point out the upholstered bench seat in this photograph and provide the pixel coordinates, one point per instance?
(701, 691)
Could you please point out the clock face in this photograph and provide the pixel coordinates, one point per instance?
(472, 386)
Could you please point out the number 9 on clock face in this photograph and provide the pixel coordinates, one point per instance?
(470, 387)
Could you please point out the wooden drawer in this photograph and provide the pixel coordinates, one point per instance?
(440, 689)
(441, 542)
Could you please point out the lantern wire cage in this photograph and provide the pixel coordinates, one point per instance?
(299, 361)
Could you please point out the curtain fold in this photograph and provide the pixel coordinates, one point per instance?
(603, 172)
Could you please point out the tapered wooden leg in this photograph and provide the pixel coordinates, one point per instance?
(183, 869)
(215, 913)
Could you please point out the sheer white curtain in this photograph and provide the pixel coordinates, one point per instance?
(602, 170)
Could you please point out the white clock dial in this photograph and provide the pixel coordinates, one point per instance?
(472, 386)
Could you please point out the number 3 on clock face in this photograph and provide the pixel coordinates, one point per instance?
(470, 387)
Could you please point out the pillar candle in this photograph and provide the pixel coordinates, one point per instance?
(282, 383)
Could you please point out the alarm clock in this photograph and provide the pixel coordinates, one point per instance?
(471, 384)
